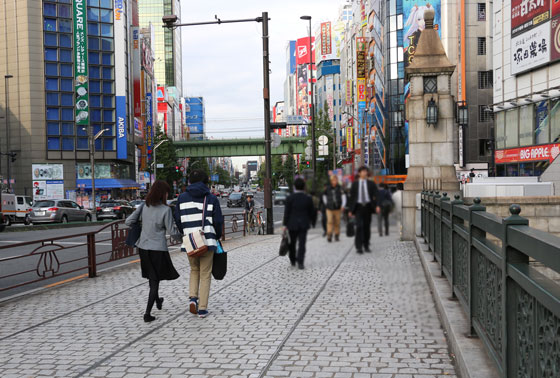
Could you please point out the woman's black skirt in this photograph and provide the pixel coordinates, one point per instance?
(157, 265)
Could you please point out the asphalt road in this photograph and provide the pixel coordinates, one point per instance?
(73, 256)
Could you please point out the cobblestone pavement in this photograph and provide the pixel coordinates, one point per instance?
(346, 315)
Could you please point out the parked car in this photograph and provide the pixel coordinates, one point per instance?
(58, 210)
(114, 209)
(236, 199)
(136, 203)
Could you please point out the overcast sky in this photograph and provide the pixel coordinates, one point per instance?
(223, 63)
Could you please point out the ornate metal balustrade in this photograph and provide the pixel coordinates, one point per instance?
(512, 306)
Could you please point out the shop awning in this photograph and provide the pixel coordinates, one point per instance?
(108, 184)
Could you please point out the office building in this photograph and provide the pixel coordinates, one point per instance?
(166, 43)
(526, 89)
(60, 91)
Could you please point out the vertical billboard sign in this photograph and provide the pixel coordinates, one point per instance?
(81, 63)
(136, 61)
(326, 41)
(526, 14)
(413, 13)
(531, 49)
(555, 39)
(121, 66)
(348, 92)
(361, 82)
(149, 125)
(121, 127)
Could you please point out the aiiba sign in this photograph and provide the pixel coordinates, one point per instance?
(121, 128)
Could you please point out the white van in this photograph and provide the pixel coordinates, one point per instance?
(15, 208)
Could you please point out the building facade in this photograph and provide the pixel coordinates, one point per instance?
(71, 65)
(195, 117)
(526, 87)
(166, 43)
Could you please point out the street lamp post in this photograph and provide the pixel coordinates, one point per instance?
(6, 111)
(93, 138)
(154, 153)
(312, 109)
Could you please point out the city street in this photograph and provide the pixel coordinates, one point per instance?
(346, 315)
(76, 249)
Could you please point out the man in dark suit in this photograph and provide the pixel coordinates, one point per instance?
(363, 203)
(299, 215)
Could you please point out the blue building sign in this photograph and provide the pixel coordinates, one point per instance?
(121, 127)
(149, 125)
(194, 115)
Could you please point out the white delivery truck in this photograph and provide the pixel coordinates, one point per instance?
(15, 208)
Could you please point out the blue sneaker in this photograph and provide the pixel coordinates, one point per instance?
(202, 313)
(193, 305)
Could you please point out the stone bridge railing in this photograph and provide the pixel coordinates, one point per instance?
(503, 273)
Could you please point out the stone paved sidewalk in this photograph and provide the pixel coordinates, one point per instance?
(346, 315)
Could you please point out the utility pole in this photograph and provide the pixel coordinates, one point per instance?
(8, 155)
(267, 137)
(170, 21)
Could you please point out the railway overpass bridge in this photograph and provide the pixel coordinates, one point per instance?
(235, 147)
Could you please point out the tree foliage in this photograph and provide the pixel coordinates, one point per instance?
(166, 155)
(223, 175)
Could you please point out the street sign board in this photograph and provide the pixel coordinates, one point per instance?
(296, 120)
(323, 140)
(309, 143)
(159, 165)
(323, 150)
(308, 150)
(181, 168)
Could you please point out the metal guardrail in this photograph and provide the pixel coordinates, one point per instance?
(512, 306)
(48, 258)
(232, 226)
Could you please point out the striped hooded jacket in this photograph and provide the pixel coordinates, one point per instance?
(188, 213)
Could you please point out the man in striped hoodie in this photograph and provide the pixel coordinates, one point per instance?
(188, 216)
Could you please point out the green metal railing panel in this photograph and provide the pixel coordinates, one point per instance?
(512, 306)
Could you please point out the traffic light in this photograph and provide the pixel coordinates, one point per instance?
(177, 168)
(307, 164)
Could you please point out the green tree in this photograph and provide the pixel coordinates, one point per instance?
(289, 170)
(224, 176)
(166, 155)
(198, 163)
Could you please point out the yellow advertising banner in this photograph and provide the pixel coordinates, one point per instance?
(349, 138)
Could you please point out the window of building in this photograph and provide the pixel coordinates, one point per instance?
(485, 114)
(430, 84)
(481, 11)
(511, 130)
(554, 121)
(481, 45)
(500, 130)
(483, 148)
(485, 79)
(53, 143)
(542, 123)
(526, 128)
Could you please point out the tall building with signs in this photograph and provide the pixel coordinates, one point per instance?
(70, 71)
(166, 43)
(526, 87)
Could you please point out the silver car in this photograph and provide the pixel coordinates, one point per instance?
(58, 210)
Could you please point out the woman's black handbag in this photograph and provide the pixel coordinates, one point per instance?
(351, 227)
(285, 243)
(134, 231)
(219, 265)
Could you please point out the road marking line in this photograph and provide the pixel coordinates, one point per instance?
(68, 280)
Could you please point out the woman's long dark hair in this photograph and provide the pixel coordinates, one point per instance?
(156, 195)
